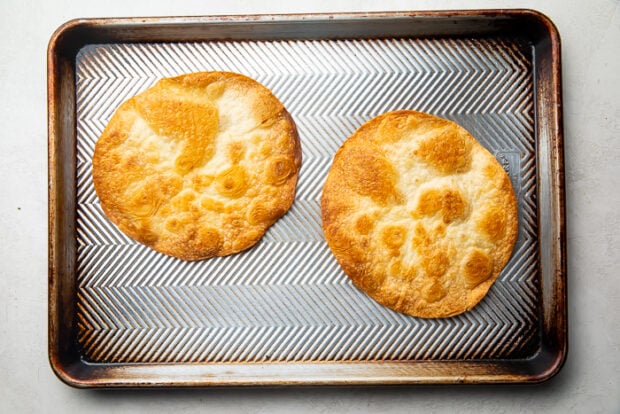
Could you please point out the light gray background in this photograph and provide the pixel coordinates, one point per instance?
(589, 382)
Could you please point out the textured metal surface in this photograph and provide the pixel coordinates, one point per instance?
(286, 299)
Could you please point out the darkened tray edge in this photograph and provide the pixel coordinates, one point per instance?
(63, 354)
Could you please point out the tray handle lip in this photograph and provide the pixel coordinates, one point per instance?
(554, 349)
(540, 368)
(69, 26)
(58, 61)
(74, 34)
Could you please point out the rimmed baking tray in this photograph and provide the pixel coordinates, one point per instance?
(283, 312)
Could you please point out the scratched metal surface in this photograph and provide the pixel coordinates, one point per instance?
(286, 299)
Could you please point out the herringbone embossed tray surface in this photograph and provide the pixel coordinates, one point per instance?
(287, 299)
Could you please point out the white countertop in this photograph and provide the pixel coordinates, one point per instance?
(588, 382)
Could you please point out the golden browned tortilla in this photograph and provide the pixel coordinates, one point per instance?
(419, 215)
(198, 165)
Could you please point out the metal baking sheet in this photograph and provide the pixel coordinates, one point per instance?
(283, 312)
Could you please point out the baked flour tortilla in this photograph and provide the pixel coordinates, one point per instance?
(419, 215)
(199, 165)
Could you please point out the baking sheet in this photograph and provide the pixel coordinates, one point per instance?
(285, 303)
